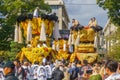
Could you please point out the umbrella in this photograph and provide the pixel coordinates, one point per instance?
(16, 34)
(43, 33)
(29, 32)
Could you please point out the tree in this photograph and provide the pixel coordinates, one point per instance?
(10, 10)
(113, 9)
(114, 51)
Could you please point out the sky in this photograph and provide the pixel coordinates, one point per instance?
(78, 9)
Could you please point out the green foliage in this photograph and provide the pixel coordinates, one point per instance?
(4, 56)
(114, 51)
(10, 9)
(113, 8)
(15, 49)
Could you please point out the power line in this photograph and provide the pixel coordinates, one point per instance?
(77, 4)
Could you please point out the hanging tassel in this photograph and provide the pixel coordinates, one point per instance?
(77, 39)
(73, 40)
(64, 46)
(56, 31)
(43, 33)
(57, 47)
(95, 41)
(70, 39)
(20, 35)
(53, 46)
(29, 32)
(16, 34)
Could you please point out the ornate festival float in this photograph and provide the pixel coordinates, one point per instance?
(83, 41)
(43, 39)
(37, 31)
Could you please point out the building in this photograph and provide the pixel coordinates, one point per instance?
(58, 7)
(108, 30)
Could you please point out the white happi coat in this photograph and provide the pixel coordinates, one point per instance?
(35, 68)
(48, 70)
(41, 73)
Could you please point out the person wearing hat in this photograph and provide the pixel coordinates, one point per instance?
(8, 70)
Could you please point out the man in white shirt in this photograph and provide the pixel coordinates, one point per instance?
(111, 68)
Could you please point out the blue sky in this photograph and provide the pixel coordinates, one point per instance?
(83, 12)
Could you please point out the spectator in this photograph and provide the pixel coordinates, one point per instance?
(35, 67)
(8, 70)
(95, 75)
(19, 71)
(79, 64)
(48, 70)
(73, 72)
(84, 68)
(67, 75)
(41, 73)
(26, 68)
(111, 68)
(57, 74)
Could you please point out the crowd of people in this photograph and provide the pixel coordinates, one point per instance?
(60, 70)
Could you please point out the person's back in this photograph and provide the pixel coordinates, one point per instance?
(35, 67)
(41, 73)
(57, 74)
(49, 71)
(73, 72)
